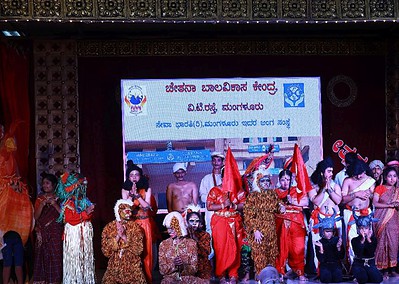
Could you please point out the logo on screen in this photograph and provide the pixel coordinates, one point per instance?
(136, 100)
(294, 95)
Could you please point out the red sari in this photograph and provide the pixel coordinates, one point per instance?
(48, 246)
(228, 233)
(291, 233)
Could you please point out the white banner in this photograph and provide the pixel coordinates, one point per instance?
(211, 108)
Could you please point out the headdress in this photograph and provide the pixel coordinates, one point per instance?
(376, 163)
(257, 170)
(179, 166)
(116, 207)
(192, 209)
(363, 221)
(133, 167)
(175, 220)
(72, 186)
(259, 176)
(393, 163)
(217, 154)
(326, 223)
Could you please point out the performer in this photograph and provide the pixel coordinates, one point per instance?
(329, 250)
(226, 201)
(122, 243)
(259, 218)
(181, 193)
(178, 254)
(363, 268)
(325, 196)
(196, 232)
(377, 167)
(48, 246)
(13, 253)
(16, 210)
(291, 229)
(136, 188)
(207, 183)
(357, 191)
(386, 202)
(76, 213)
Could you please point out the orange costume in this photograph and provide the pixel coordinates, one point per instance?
(291, 232)
(228, 232)
(16, 210)
(144, 217)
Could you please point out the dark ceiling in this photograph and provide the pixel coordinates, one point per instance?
(119, 30)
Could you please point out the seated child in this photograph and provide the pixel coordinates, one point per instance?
(363, 268)
(329, 250)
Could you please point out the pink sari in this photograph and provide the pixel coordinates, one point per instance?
(387, 229)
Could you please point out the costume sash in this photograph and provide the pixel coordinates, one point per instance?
(365, 185)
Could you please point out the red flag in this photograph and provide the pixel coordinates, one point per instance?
(232, 179)
(299, 169)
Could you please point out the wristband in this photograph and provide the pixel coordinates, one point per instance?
(222, 206)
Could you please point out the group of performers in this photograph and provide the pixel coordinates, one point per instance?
(253, 227)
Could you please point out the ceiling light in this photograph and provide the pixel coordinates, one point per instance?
(11, 33)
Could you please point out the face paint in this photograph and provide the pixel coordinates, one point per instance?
(194, 222)
(172, 233)
(125, 212)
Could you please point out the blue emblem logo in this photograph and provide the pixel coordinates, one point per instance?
(294, 95)
(135, 100)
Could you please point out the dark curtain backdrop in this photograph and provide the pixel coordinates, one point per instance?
(15, 101)
(361, 125)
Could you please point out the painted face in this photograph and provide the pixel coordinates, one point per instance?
(285, 182)
(172, 233)
(265, 183)
(179, 174)
(328, 173)
(125, 212)
(194, 221)
(377, 171)
(328, 233)
(47, 186)
(392, 178)
(134, 176)
(217, 162)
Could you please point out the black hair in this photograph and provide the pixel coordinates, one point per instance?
(386, 172)
(317, 175)
(133, 167)
(50, 177)
(350, 157)
(285, 172)
(358, 167)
